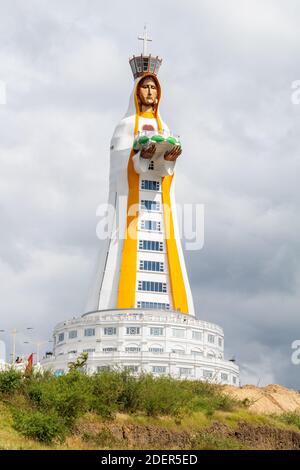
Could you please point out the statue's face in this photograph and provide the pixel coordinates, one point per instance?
(147, 91)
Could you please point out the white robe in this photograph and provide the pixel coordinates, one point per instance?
(105, 293)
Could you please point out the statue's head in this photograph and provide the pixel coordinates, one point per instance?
(148, 93)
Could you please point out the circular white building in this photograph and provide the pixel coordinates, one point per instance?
(152, 341)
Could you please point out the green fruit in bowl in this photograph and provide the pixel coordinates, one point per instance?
(173, 141)
(143, 140)
(157, 138)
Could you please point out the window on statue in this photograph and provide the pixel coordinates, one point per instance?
(150, 185)
(89, 332)
(110, 331)
(138, 62)
(151, 245)
(234, 380)
(207, 374)
(156, 331)
(73, 334)
(131, 368)
(224, 377)
(132, 349)
(197, 353)
(133, 330)
(151, 286)
(145, 64)
(147, 265)
(103, 368)
(153, 305)
(150, 205)
(89, 350)
(110, 349)
(181, 352)
(178, 332)
(185, 371)
(210, 338)
(197, 335)
(159, 369)
(133, 67)
(156, 350)
(152, 65)
(61, 337)
(220, 342)
(152, 225)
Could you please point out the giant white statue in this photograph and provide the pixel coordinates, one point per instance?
(142, 263)
(140, 313)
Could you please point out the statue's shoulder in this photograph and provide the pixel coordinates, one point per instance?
(125, 126)
(124, 133)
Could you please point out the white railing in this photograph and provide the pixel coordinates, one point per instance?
(143, 317)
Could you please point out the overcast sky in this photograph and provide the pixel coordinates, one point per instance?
(227, 72)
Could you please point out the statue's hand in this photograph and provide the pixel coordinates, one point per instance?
(148, 152)
(173, 154)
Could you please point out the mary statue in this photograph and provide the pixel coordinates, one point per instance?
(142, 264)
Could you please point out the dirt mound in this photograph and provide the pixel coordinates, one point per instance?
(270, 399)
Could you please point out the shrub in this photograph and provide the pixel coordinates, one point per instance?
(43, 427)
(107, 390)
(68, 395)
(129, 397)
(209, 398)
(291, 417)
(10, 381)
(163, 395)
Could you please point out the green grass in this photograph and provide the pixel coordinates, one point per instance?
(206, 441)
(291, 418)
(69, 412)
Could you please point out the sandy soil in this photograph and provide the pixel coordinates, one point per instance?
(269, 399)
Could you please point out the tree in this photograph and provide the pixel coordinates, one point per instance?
(80, 362)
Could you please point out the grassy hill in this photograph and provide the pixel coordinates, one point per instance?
(114, 410)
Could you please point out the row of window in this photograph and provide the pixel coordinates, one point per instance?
(137, 349)
(136, 330)
(150, 205)
(183, 371)
(150, 185)
(146, 265)
(151, 245)
(186, 371)
(152, 225)
(153, 305)
(151, 286)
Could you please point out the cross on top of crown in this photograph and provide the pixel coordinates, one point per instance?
(144, 64)
(145, 40)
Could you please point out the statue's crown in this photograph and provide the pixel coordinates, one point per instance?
(143, 64)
